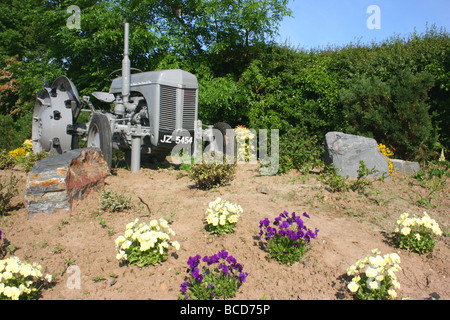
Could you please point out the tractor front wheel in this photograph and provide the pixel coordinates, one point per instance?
(99, 136)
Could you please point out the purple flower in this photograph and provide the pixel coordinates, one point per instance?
(242, 277)
(184, 287)
(225, 269)
(231, 260)
(193, 261)
(305, 214)
(1, 234)
(264, 222)
(223, 254)
(285, 225)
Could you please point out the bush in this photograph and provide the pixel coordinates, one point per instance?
(8, 190)
(299, 152)
(212, 172)
(31, 158)
(396, 111)
(6, 160)
(337, 183)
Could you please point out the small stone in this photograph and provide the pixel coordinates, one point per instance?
(263, 189)
(111, 282)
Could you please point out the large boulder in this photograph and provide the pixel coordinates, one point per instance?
(345, 151)
(54, 182)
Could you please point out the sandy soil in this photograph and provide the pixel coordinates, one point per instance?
(69, 244)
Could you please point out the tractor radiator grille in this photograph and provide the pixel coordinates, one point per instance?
(190, 95)
(168, 108)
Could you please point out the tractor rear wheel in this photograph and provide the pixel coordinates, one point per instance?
(223, 127)
(99, 136)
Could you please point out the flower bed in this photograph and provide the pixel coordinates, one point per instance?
(221, 277)
(288, 237)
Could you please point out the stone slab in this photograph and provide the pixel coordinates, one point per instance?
(405, 167)
(54, 182)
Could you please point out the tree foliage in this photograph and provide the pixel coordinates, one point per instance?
(396, 91)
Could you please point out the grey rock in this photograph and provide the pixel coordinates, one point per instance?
(405, 167)
(345, 151)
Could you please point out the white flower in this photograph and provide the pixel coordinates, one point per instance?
(120, 240)
(373, 284)
(371, 272)
(352, 270)
(163, 223)
(392, 293)
(436, 230)
(7, 275)
(48, 277)
(395, 257)
(353, 286)
(405, 231)
(176, 245)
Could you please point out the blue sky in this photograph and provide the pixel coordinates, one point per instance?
(319, 23)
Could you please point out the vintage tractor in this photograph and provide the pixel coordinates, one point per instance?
(153, 113)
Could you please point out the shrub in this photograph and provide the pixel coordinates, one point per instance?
(333, 180)
(6, 160)
(299, 151)
(396, 110)
(8, 190)
(212, 172)
(113, 201)
(338, 183)
(31, 158)
(144, 244)
(221, 277)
